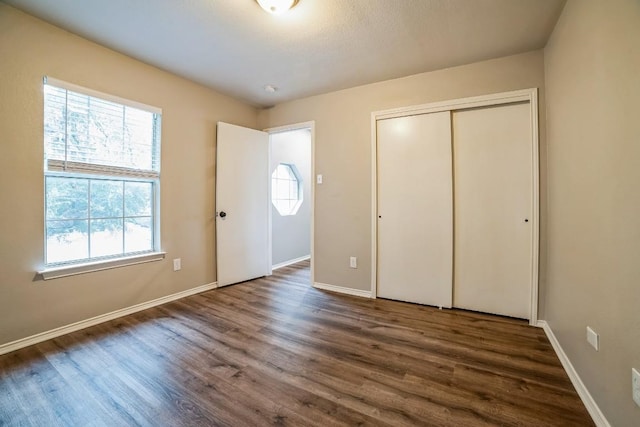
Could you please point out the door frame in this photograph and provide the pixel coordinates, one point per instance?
(311, 125)
(525, 95)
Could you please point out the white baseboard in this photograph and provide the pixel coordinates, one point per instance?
(53, 333)
(342, 290)
(591, 405)
(291, 261)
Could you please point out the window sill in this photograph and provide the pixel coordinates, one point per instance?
(72, 270)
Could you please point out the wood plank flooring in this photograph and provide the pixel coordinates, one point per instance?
(275, 351)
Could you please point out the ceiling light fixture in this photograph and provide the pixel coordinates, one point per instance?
(276, 7)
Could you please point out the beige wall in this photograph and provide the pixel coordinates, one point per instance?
(30, 49)
(343, 149)
(592, 64)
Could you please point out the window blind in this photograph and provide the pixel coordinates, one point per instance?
(89, 132)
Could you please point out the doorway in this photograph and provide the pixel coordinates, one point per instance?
(291, 195)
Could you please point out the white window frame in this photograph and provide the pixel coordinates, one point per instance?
(57, 168)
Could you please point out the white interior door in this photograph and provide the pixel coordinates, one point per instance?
(415, 209)
(242, 204)
(493, 199)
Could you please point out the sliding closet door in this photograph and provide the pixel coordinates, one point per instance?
(415, 209)
(493, 199)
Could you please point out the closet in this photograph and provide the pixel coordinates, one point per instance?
(415, 216)
(456, 204)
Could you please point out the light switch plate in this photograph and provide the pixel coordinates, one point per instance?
(635, 389)
(353, 262)
(319, 179)
(177, 264)
(593, 338)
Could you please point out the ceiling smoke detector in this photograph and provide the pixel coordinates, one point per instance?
(270, 88)
(277, 7)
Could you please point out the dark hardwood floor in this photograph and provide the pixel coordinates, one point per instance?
(275, 351)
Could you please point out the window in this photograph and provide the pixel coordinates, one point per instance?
(102, 176)
(286, 189)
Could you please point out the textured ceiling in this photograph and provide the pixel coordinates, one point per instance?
(235, 47)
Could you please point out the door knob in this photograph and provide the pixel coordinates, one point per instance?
(526, 220)
(223, 214)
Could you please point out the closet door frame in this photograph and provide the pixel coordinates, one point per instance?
(525, 95)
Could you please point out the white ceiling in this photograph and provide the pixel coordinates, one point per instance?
(235, 47)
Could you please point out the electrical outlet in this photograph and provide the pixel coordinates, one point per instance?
(177, 264)
(635, 381)
(593, 338)
(353, 262)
